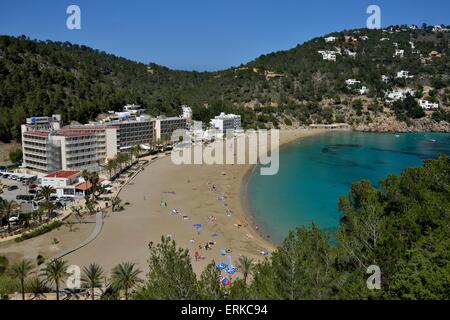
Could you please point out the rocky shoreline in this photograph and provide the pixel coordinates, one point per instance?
(393, 125)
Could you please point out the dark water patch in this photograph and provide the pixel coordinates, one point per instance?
(334, 148)
(408, 153)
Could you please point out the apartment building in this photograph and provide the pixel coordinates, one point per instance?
(105, 139)
(47, 147)
(225, 122)
(164, 127)
(134, 132)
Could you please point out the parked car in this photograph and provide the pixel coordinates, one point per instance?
(11, 188)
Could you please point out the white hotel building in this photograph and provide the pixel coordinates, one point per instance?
(226, 122)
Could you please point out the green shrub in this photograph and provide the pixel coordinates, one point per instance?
(8, 285)
(3, 264)
(39, 231)
(40, 259)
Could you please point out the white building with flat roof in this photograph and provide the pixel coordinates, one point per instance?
(186, 112)
(398, 94)
(351, 82)
(427, 105)
(226, 122)
(403, 74)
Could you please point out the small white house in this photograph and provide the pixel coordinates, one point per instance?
(187, 112)
(398, 94)
(399, 53)
(330, 39)
(350, 53)
(385, 78)
(328, 54)
(403, 74)
(63, 181)
(363, 90)
(351, 82)
(425, 104)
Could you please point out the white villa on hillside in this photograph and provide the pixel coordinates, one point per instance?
(351, 82)
(398, 94)
(330, 39)
(329, 55)
(403, 74)
(363, 90)
(399, 53)
(425, 104)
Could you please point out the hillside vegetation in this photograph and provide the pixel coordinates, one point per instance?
(293, 87)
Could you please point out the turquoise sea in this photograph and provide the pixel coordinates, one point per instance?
(316, 171)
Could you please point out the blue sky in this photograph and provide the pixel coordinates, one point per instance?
(204, 34)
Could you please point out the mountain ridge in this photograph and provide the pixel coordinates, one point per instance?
(282, 88)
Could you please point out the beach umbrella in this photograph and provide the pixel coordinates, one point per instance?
(226, 282)
(230, 270)
(197, 226)
(215, 234)
(221, 266)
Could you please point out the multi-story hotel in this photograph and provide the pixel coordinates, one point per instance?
(105, 139)
(226, 122)
(46, 147)
(164, 127)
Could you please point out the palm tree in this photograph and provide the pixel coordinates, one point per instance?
(7, 209)
(92, 277)
(93, 179)
(20, 270)
(37, 288)
(111, 166)
(55, 272)
(135, 151)
(245, 264)
(125, 277)
(121, 159)
(49, 208)
(46, 192)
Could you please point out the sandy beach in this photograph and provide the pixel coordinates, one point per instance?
(210, 195)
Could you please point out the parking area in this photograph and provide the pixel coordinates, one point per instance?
(22, 189)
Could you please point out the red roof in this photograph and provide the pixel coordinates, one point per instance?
(83, 186)
(63, 174)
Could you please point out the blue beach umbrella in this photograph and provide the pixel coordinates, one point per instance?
(221, 266)
(197, 226)
(230, 270)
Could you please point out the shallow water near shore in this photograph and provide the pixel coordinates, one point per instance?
(316, 171)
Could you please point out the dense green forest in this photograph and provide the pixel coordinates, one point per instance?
(297, 85)
(402, 227)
